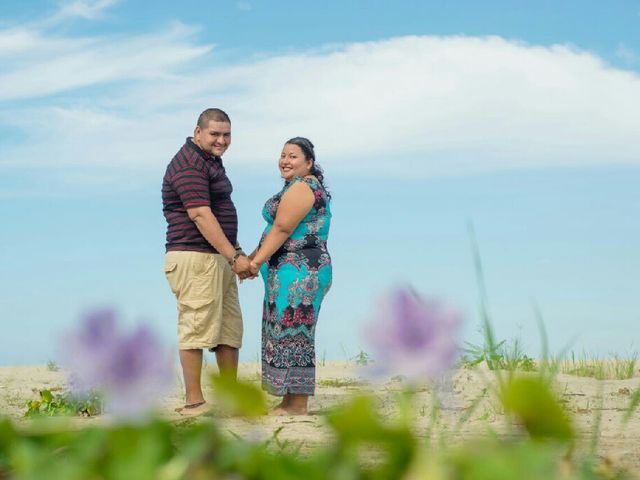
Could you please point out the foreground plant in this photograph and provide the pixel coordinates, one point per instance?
(49, 404)
(413, 336)
(364, 445)
(131, 370)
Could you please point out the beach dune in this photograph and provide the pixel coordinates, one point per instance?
(587, 400)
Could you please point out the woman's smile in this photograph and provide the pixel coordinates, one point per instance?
(293, 163)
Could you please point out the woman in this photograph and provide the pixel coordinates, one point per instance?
(296, 268)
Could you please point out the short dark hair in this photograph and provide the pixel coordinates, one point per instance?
(212, 115)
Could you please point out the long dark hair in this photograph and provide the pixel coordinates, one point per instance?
(309, 154)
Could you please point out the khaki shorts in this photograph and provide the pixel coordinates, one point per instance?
(207, 294)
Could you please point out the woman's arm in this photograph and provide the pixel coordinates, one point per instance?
(296, 202)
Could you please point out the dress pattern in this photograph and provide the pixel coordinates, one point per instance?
(296, 279)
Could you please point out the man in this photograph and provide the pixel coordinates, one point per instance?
(202, 253)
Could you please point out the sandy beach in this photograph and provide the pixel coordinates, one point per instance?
(585, 399)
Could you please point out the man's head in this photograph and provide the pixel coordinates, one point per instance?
(213, 132)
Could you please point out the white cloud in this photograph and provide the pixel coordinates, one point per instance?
(66, 65)
(86, 9)
(627, 54)
(16, 43)
(414, 106)
(449, 104)
(244, 6)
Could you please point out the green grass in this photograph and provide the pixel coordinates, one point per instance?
(498, 356)
(52, 366)
(362, 358)
(340, 382)
(510, 357)
(588, 365)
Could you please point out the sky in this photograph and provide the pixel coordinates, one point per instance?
(521, 119)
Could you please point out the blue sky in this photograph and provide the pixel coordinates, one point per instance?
(521, 118)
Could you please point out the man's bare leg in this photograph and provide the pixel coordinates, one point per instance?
(227, 358)
(191, 361)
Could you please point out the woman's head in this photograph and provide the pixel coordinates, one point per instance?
(298, 159)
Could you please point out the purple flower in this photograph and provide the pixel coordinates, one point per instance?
(131, 370)
(413, 336)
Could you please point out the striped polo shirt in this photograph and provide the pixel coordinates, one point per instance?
(195, 179)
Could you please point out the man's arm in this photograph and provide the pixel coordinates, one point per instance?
(210, 229)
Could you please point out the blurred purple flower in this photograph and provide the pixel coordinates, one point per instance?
(413, 336)
(132, 370)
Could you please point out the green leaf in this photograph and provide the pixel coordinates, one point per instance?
(359, 427)
(532, 402)
(494, 460)
(46, 396)
(357, 420)
(138, 451)
(239, 398)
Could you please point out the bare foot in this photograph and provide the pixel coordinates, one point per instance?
(287, 412)
(278, 412)
(194, 410)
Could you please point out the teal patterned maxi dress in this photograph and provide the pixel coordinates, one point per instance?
(296, 279)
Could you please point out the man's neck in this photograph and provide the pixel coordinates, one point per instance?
(195, 144)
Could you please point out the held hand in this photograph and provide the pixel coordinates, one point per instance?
(241, 267)
(254, 268)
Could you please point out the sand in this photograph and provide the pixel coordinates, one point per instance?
(585, 398)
